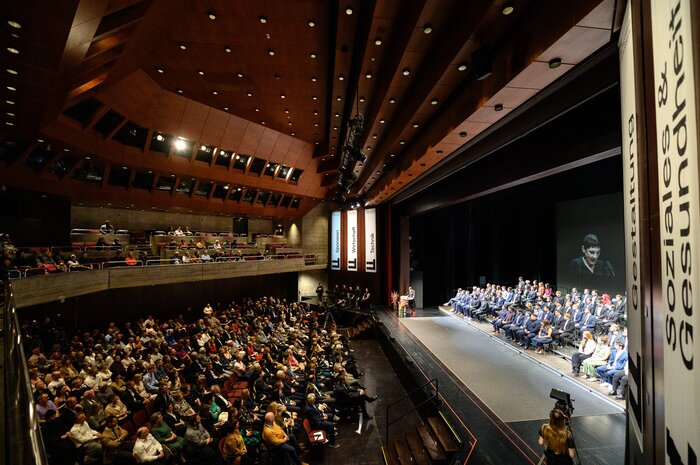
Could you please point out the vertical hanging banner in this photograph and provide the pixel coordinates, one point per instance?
(679, 219)
(335, 240)
(371, 240)
(630, 176)
(352, 239)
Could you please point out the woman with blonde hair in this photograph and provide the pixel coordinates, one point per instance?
(585, 350)
(558, 444)
(600, 357)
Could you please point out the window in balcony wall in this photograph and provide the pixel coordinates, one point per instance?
(108, 123)
(143, 180)
(235, 194)
(119, 176)
(296, 174)
(166, 183)
(224, 158)
(240, 162)
(284, 172)
(274, 200)
(220, 191)
(185, 186)
(262, 198)
(161, 142)
(285, 201)
(132, 135)
(270, 169)
(295, 203)
(205, 153)
(89, 172)
(256, 166)
(203, 188)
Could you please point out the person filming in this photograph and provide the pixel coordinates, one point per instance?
(556, 438)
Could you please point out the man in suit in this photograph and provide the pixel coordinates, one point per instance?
(320, 420)
(616, 362)
(529, 331)
(565, 329)
(510, 328)
(347, 396)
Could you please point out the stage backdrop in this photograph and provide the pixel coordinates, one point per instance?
(590, 244)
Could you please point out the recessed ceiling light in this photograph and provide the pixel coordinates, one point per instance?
(406, 72)
(215, 92)
(227, 49)
(368, 75)
(200, 72)
(378, 41)
(554, 63)
(374, 136)
(211, 15)
(463, 134)
(161, 70)
(271, 52)
(283, 96)
(160, 138)
(14, 24)
(12, 71)
(316, 125)
(335, 128)
(315, 112)
(290, 123)
(262, 122)
(313, 79)
(240, 75)
(11, 88)
(292, 134)
(314, 98)
(66, 150)
(508, 8)
(9, 123)
(392, 100)
(340, 77)
(362, 99)
(263, 19)
(427, 28)
(415, 125)
(9, 113)
(337, 115)
(257, 109)
(434, 101)
(12, 50)
(392, 155)
(286, 110)
(339, 98)
(249, 94)
(312, 54)
(312, 23)
(10, 102)
(87, 158)
(183, 47)
(439, 152)
(498, 107)
(348, 11)
(382, 121)
(462, 66)
(179, 91)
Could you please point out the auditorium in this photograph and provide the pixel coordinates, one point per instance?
(357, 232)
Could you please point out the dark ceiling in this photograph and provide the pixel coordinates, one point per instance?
(242, 107)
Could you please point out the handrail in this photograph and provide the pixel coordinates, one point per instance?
(120, 263)
(433, 382)
(23, 441)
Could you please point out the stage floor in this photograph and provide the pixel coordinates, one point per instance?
(510, 388)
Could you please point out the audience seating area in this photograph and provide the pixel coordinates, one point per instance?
(116, 250)
(577, 325)
(245, 374)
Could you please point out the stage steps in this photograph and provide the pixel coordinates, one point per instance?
(359, 328)
(430, 444)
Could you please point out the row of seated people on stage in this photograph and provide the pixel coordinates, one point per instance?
(533, 320)
(207, 391)
(345, 296)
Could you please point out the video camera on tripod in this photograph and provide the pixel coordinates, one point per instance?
(564, 402)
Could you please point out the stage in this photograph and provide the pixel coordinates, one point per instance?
(499, 395)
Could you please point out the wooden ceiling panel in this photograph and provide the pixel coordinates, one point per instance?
(538, 75)
(251, 139)
(601, 16)
(511, 97)
(194, 118)
(576, 45)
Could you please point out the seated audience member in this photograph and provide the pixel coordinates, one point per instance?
(107, 228)
(277, 440)
(350, 397)
(86, 439)
(544, 336)
(54, 432)
(320, 420)
(116, 408)
(43, 405)
(587, 323)
(234, 446)
(564, 330)
(529, 331)
(585, 350)
(600, 357)
(616, 363)
(198, 443)
(115, 444)
(619, 382)
(164, 435)
(147, 449)
(74, 264)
